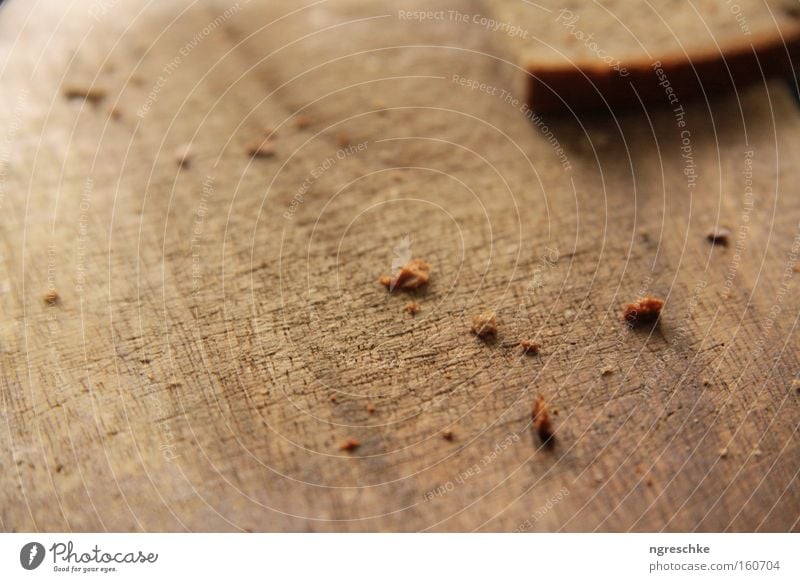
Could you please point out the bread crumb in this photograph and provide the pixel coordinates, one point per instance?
(52, 297)
(350, 445)
(484, 324)
(643, 234)
(93, 95)
(414, 274)
(723, 453)
(541, 420)
(342, 139)
(371, 408)
(183, 155)
(719, 236)
(412, 307)
(529, 347)
(447, 435)
(644, 310)
(260, 149)
(796, 385)
(302, 121)
(606, 371)
(706, 382)
(333, 398)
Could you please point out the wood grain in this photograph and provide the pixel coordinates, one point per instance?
(208, 313)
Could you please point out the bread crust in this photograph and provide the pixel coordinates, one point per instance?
(594, 86)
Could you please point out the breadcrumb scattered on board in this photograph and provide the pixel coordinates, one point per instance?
(413, 275)
(412, 307)
(448, 435)
(342, 139)
(719, 236)
(350, 445)
(541, 420)
(371, 408)
(529, 347)
(93, 94)
(52, 297)
(643, 310)
(183, 155)
(302, 121)
(484, 324)
(260, 149)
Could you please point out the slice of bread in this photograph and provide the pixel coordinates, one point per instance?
(610, 54)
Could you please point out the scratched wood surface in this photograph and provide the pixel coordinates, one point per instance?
(220, 329)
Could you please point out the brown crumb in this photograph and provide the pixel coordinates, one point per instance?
(260, 149)
(643, 234)
(302, 121)
(93, 95)
(644, 310)
(447, 435)
(648, 481)
(796, 385)
(529, 347)
(412, 307)
(342, 139)
(52, 297)
(484, 324)
(371, 408)
(183, 155)
(350, 445)
(796, 268)
(414, 274)
(719, 236)
(606, 371)
(333, 398)
(541, 420)
(706, 382)
(723, 453)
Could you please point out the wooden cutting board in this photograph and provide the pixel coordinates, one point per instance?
(209, 314)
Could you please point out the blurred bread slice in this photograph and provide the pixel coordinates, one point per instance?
(608, 55)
